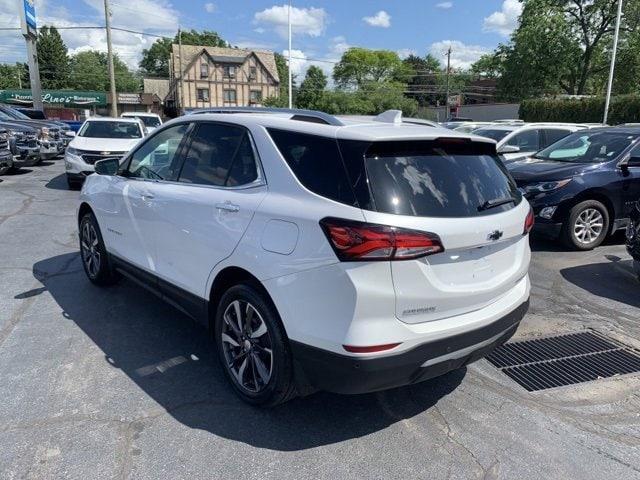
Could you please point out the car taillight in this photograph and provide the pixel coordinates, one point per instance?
(370, 348)
(355, 241)
(528, 222)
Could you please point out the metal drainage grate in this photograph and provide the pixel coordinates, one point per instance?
(564, 360)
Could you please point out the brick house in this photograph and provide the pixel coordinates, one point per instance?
(220, 77)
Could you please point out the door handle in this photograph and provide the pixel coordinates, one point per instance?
(228, 207)
(146, 196)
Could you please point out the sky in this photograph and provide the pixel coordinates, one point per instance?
(322, 29)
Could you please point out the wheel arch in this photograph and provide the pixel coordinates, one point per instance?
(227, 278)
(590, 194)
(83, 210)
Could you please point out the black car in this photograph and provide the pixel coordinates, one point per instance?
(23, 144)
(633, 237)
(6, 157)
(583, 186)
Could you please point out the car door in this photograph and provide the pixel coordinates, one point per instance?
(131, 230)
(204, 214)
(528, 142)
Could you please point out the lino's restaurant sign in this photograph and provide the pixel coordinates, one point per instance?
(62, 98)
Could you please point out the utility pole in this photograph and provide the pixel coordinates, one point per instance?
(448, 54)
(290, 76)
(613, 64)
(30, 33)
(180, 84)
(112, 76)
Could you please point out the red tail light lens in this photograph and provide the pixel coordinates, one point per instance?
(355, 241)
(529, 221)
(370, 348)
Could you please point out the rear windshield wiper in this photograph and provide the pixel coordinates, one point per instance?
(495, 203)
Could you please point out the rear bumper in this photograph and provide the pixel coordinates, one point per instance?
(345, 374)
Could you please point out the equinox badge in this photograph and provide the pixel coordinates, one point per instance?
(495, 235)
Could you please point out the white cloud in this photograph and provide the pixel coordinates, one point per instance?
(505, 20)
(462, 56)
(381, 19)
(405, 52)
(210, 7)
(259, 30)
(306, 21)
(444, 5)
(299, 63)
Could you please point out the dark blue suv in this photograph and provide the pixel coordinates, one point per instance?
(583, 187)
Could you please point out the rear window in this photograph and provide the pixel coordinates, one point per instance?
(106, 129)
(437, 181)
(316, 163)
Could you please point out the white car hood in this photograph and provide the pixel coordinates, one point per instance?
(104, 144)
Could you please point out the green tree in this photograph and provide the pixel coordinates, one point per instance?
(282, 100)
(311, 89)
(155, 59)
(422, 77)
(561, 46)
(14, 76)
(489, 65)
(359, 66)
(89, 71)
(53, 58)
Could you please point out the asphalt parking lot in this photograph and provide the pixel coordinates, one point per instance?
(112, 383)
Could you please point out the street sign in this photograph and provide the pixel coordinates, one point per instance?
(28, 18)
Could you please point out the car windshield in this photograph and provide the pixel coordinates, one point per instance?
(494, 134)
(591, 147)
(110, 130)
(148, 121)
(4, 116)
(16, 114)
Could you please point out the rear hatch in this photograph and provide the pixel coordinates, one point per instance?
(458, 190)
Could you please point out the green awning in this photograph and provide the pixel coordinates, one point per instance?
(66, 98)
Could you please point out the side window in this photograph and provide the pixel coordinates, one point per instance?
(219, 155)
(317, 164)
(156, 158)
(552, 135)
(527, 141)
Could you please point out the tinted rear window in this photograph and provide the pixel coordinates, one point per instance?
(437, 181)
(496, 135)
(316, 163)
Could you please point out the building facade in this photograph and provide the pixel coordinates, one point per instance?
(221, 77)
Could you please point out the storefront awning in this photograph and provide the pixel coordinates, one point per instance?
(65, 98)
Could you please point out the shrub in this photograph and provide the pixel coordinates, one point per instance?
(623, 109)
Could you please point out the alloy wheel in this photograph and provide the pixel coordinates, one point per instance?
(588, 226)
(89, 246)
(247, 347)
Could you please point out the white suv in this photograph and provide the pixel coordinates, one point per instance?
(322, 253)
(97, 139)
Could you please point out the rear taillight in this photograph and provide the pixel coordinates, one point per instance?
(370, 348)
(355, 241)
(528, 222)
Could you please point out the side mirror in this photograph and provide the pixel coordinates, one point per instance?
(108, 166)
(508, 149)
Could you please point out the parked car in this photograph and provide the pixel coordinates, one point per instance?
(6, 157)
(35, 114)
(454, 122)
(49, 138)
(519, 141)
(471, 126)
(323, 254)
(97, 139)
(633, 237)
(151, 120)
(23, 143)
(581, 187)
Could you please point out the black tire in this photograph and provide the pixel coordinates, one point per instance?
(251, 350)
(93, 254)
(574, 236)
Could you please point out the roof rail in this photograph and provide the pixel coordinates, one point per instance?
(301, 114)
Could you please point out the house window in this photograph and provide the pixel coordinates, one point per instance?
(255, 96)
(253, 73)
(229, 96)
(204, 70)
(203, 94)
(229, 71)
